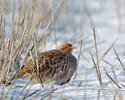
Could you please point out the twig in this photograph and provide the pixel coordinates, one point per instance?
(95, 67)
(77, 62)
(113, 80)
(119, 59)
(105, 53)
(112, 67)
(24, 87)
(98, 67)
(37, 70)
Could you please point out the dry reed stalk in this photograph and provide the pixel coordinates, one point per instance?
(105, 53)
(31, 94)
(2, 44)
(36, 66)
(123, 85)
(18, 50)
(96, 69)
(24, 87)
(25, 95)
(117, 95)
(112, 80)
(123, 67)
(56, 15)
(87, 50)
(22, 40)
(37, 92)
(112, 67)
(75, 74)
(14, 32)
(97, 59)
(17, 43)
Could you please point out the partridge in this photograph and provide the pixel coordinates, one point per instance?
(56, 66)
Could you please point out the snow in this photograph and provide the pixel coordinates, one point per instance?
(105, 19)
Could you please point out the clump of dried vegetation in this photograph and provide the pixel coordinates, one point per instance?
(25, 26)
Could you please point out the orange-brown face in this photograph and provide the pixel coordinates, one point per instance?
(67, 48)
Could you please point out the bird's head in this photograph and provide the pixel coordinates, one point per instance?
(67, 47)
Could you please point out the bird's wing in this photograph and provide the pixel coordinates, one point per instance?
(51, 59)
(45, 60)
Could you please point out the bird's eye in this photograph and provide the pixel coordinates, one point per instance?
(66, 46)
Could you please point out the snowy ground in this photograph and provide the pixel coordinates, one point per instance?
(101, 14)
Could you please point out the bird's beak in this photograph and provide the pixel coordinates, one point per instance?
(73, 47)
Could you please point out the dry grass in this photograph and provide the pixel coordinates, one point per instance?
(119, 59)
(25, 28)
(97, 59)
(29, 28)
(78, 61)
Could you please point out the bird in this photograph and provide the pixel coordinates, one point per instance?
(57, 66)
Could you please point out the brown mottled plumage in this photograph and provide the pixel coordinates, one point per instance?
(56, 66)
